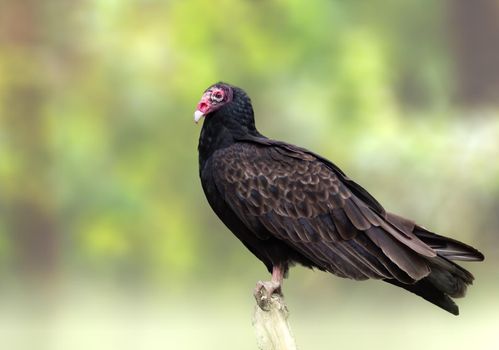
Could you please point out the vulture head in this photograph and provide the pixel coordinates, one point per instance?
(228, 106)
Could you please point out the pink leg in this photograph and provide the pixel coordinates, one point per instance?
(265, 289)
(277, 274)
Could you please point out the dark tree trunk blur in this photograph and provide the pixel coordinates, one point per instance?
(28, 199)
(474, 30)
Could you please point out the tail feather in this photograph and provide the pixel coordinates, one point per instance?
(449, 278)
(425, 289)
(446, 280)
(447, 247)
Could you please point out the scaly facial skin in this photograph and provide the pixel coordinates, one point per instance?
(213, 98)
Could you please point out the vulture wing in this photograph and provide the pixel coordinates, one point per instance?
(282, 191)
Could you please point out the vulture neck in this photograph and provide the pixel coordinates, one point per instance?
(221, 130)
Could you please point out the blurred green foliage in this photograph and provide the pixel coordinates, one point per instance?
(98, 160)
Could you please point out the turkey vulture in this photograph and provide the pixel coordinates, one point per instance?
(289, 205)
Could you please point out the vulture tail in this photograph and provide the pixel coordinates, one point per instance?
(446, 280)
(428, 291)
(447, 247)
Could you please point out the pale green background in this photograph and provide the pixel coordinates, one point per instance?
(106, 239)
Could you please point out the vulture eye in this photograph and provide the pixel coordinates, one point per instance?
(217, 95)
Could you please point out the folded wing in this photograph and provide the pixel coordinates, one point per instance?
(297, 198)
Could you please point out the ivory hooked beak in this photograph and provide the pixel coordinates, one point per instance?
(197, 116)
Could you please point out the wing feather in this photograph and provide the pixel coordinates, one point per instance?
(295, 197)
(414, 265)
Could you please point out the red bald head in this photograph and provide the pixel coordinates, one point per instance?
(213, 98)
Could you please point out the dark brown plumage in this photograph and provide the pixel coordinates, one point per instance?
(289, 205)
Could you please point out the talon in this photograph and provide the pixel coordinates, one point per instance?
(264, 289)
(263, 292)
(268, 287)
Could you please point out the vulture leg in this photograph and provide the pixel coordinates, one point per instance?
(265, 289)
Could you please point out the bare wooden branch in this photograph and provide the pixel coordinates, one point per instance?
(270, 321)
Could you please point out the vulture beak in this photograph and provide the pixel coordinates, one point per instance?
(198, 115)
(203, 107)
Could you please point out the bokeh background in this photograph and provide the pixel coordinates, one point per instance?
(106, 239)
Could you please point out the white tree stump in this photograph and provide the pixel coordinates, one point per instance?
(270, 321)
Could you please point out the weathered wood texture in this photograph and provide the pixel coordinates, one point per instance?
(270, 321)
